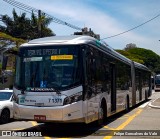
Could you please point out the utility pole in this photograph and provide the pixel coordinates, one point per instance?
(89, 32)
(39, 23)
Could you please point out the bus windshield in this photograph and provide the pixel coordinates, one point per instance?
(157, 79)
(41, 67)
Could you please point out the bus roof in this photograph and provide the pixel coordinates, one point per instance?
(80, 39)
(72, 39)
(138, 65)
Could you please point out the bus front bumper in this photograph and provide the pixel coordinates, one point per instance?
(68, 113)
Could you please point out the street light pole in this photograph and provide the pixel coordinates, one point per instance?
(39, 23)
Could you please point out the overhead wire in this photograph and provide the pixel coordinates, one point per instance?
(22, 5)
(132, 28)
(30, 9)
(11, 2)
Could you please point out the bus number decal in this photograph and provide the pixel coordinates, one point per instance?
(55, 100)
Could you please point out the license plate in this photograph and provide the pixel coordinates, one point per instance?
(40, 117)
(39, 104)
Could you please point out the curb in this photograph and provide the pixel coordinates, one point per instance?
(153, 106)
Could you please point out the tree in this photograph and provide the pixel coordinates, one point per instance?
(25, 28)
(43, 22)
(130, 46)
(143, 56)
(6, 40)
(131, 56)
(151, 59)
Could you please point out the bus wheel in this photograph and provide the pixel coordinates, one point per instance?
(127, 104)
(102, 115)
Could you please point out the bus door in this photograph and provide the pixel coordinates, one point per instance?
(138, 86)
(113, 87)
(92, 103)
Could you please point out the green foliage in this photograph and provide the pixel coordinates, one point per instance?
(143, 56)
(25, 28)
(131, 56)
(150, 58)
(6, 37)
(6, 40)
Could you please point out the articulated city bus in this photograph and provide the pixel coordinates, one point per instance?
(75, 79)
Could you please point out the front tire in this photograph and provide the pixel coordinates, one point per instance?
(102, 115)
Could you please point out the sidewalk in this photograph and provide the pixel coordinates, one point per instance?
(155, 103)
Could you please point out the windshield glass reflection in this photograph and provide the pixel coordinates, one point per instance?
(58, 71)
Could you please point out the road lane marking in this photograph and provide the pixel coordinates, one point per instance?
(47, 138)
(124, 117)
(109, 128)
(144, 105)
(34, 123)
(16, 129)
(38, 128)
(123, 125)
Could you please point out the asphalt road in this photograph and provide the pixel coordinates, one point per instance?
(141, 122)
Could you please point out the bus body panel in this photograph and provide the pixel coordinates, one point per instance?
(28, 106)
(66, 113)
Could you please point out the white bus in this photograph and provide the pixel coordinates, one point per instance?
(75, 79)
(157, 82)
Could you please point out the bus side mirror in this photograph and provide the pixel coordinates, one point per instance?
(4, 62)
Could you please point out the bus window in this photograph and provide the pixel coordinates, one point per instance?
(58, 70)
(157, 82)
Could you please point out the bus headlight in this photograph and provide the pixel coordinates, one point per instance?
(74, 98)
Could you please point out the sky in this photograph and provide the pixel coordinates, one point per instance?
(104, 17)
